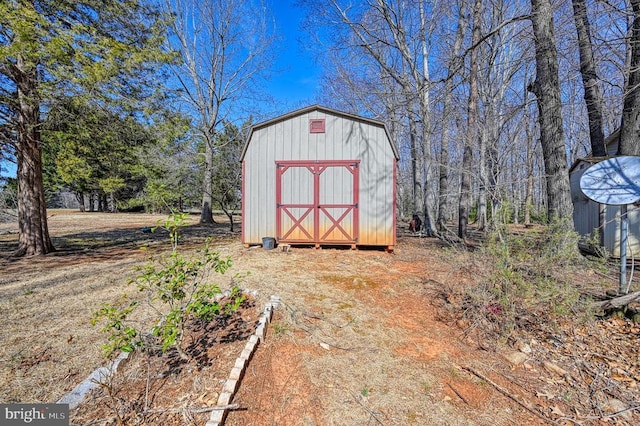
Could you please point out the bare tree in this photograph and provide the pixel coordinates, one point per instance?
(447, 131)
(630, 127)
(501, 58)
(396, 39)
(224, 48)
(472, 126)
(528, 198)
(592, 95)
(405, 61)
(546, 87)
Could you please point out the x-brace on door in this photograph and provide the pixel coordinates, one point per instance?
(317, 202)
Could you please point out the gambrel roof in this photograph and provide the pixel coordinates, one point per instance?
(320, 108)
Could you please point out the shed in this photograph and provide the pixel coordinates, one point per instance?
(593, 219)
(318, 176)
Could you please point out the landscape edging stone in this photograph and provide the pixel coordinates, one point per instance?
(77, 394)
(232, 384)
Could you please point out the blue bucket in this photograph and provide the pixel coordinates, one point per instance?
(268, 243)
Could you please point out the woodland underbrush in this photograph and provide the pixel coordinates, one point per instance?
(528, 276)
(535, 303)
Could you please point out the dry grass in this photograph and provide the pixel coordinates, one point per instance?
(47, 343)
(362, 338)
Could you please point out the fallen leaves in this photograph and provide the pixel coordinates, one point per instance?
(587, 373)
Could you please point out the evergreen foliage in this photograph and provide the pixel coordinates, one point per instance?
(100, 50)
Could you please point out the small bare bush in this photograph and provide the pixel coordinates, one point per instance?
(527, 280)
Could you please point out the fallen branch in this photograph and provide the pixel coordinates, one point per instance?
(619, 301)
(368, 410)
(509, 395)
(450, 238)
(458, 393)
(192, 410)
(606, 416)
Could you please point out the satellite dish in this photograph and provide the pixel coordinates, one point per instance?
(615, 181)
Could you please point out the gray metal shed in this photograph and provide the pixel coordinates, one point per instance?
(317, 176)
(590, 217)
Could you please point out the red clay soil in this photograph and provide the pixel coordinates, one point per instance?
(279, 387)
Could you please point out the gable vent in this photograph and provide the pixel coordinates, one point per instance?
(316, 125)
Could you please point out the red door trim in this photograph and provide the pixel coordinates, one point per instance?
(317, 168)
(336, 222)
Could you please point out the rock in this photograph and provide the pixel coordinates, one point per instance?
(524, 347)
(611, 293)
(553, 368)
(463, 323)
(515, 357)
(615, 406)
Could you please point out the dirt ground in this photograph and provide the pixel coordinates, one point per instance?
(362, 337)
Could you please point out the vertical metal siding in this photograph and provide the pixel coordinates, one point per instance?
(612, 231)
(376, 187)
(586, 217)
(344, 139)
(585, 211)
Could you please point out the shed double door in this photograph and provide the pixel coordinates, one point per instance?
(317, 202)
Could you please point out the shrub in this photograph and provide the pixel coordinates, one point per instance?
(526, 278)
(176, 289)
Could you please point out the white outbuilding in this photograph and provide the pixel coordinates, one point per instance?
(319, 177)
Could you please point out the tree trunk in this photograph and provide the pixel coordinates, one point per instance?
(32, 210)
(443, 188)
(207, 189)
(630, 126)
(472, 128)
(481, 215)
(528, 197)
(493, 172)
(80, 199)
(465, 192)
(443, 168)
(546, 87)
(416, 179)
(425, 116)
(114, 205)
(229, 214)
(592, 95)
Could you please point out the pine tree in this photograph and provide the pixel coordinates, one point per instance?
(104, 50)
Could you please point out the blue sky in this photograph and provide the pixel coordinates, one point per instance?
(295, 79)
(7, 169)
(296, 85)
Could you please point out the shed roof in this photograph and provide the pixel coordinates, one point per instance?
(316, 107)
(611, 139)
